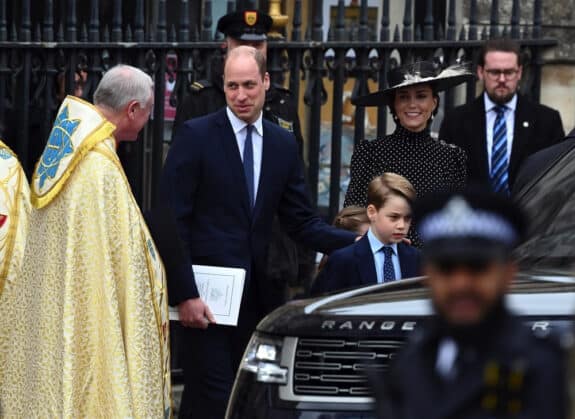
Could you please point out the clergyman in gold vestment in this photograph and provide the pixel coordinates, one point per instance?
(89, 337)
(14, 213)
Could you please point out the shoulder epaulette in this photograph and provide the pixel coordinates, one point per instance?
(200, 85)
(281, 88)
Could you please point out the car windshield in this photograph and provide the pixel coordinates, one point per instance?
(549, 200)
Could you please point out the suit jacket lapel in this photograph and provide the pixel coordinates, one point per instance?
(365, 262)
(429, 388)
(465, 389)
(266, 169)
(407, 263)
(426, 390)
(478, 147)
(520, 136)
(232, 153)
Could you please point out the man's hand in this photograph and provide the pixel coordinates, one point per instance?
(195, 313)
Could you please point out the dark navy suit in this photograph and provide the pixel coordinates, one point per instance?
(353, 266)
(205, 182)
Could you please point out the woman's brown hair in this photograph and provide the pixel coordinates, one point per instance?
(351, 218)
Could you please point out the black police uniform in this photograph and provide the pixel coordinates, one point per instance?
(497, 368)
(502, 371)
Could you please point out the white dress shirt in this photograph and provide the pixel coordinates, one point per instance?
(240, 131)
(490, 115)
(446, 355)
(379, 257)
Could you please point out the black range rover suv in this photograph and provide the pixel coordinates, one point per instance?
(310, 358)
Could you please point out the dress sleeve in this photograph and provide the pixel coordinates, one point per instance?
(459, 169)
(296, 213)
(360, 176)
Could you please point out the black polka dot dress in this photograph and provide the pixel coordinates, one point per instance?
(429, 164)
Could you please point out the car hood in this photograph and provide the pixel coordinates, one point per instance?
(399, 306)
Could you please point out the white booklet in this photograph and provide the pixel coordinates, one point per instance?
(221, 289)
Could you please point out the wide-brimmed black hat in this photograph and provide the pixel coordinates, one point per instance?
(420, 72)
(475, 224)
(246, 25)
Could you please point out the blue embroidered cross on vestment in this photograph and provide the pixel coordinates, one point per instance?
(59, 146)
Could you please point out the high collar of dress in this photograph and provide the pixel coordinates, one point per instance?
(406, 135)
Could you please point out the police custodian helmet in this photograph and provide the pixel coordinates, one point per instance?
(475, 224)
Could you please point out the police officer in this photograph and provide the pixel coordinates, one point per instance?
(247, 27)
(474, 359)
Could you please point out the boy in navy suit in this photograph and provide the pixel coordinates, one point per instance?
(381, 255)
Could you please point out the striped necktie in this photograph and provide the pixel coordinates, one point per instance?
(499, 162)
(249, 164)
(388, 269)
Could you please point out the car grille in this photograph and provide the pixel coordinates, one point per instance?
(339, 367)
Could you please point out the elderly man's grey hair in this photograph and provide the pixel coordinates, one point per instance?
(122, 84)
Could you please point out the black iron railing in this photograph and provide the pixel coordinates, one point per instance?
(45, 55)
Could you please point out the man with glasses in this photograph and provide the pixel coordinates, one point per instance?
(474, 358)
(501, 127)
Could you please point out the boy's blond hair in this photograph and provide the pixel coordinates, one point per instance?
(382, 187)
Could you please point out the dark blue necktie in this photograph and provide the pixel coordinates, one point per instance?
(249, 164)
(388, 269)
(499, 161)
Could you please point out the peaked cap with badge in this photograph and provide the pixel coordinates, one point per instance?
(246, 25)
(420, 72)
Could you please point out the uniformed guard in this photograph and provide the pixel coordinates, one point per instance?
(474, 358)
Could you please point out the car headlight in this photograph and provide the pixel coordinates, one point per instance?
(262, 357)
